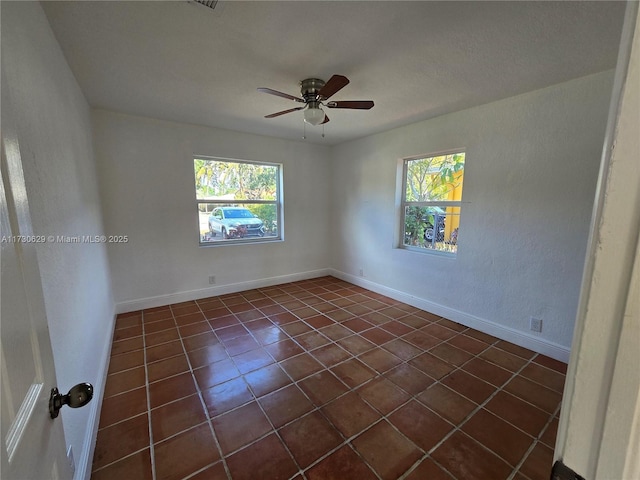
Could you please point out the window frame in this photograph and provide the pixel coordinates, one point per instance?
(404, 203)
(278, 203)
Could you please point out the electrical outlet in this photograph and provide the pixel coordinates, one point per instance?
(212, 280)
(535, 324)
(361, 272)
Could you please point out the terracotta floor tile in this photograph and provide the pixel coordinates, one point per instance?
(353, 372)
(544, 376)
(549, 435)
(355, 344)
(127, 333)
(295, 328)
(432, 366)
(120, 440)
(301, 366)
(519, 413)
(468, 386)
(198, 341)
(185, 453)
(506, 360)
(357, 325)
(467, 459)
(214, 472)
(207, 355)
(328, 361)
(175, 417)
(383, 395)
(226, 396)
(127, 345)
(268, 456)
(125, 361)
(164, 336)
(335, 332)
(283, 349)
(551, 363)
(136, 466)
(164, 351)
(312, 340)
(252, 360)
(309, 438)
(350, 414)
(216, 373)
(505, 440)
(322, 387)
(167, 368)
(467, 343)
(420, 425)
(123, 381)
(438, 331)
(450, 354)
(240, 427)
(377, 335)
(451, 405)
(330, 355)
(380, 360)
(285, 405)
(123, 406)
(270, 335)
(428, 470)
(389, 453)
(538, 464)
(341, 465)
(169, 389)
(267, 379)
(536, 394)
(488, 372)
(401, 349)
(409, 378)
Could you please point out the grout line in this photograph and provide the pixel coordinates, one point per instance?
(146, 378)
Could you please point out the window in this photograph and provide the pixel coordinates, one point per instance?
(238, 201)
(431, 202)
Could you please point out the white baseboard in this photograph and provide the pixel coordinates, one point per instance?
(523, 339)
(160, 300)
(85, 462)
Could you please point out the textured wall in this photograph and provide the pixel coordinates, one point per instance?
(55, 137)
(530, 176)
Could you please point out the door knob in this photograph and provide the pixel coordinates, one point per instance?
(77, 397)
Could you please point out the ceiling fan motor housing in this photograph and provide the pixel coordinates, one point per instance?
(310, 88)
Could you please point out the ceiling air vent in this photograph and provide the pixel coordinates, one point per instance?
(207, 3)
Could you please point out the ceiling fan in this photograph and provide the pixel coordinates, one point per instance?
(315, 93)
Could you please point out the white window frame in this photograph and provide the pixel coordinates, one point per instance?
(444, 204)
(278, 202)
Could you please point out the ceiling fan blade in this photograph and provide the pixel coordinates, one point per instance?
(335, 83)
(358, 104)
(326, 120)
(283, 112)
(280, 94)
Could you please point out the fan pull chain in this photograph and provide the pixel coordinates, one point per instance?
(323, 130)
(304, 130)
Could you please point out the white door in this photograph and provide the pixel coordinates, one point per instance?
(33, 445)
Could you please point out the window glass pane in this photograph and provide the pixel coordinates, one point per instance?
(435, 178)
(220, 180)
(433, 227)
(220, 223)
(237, 201)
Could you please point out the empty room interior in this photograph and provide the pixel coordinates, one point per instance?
(320, 240)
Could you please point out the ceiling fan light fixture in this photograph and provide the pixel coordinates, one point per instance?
(314, 116)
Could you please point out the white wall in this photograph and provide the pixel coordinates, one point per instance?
(54, 127)
(146, 177)
(530, 175)
(599, 429)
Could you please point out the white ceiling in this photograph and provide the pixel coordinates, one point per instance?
(184, 62)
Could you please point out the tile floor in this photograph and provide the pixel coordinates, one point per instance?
(321, 379)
